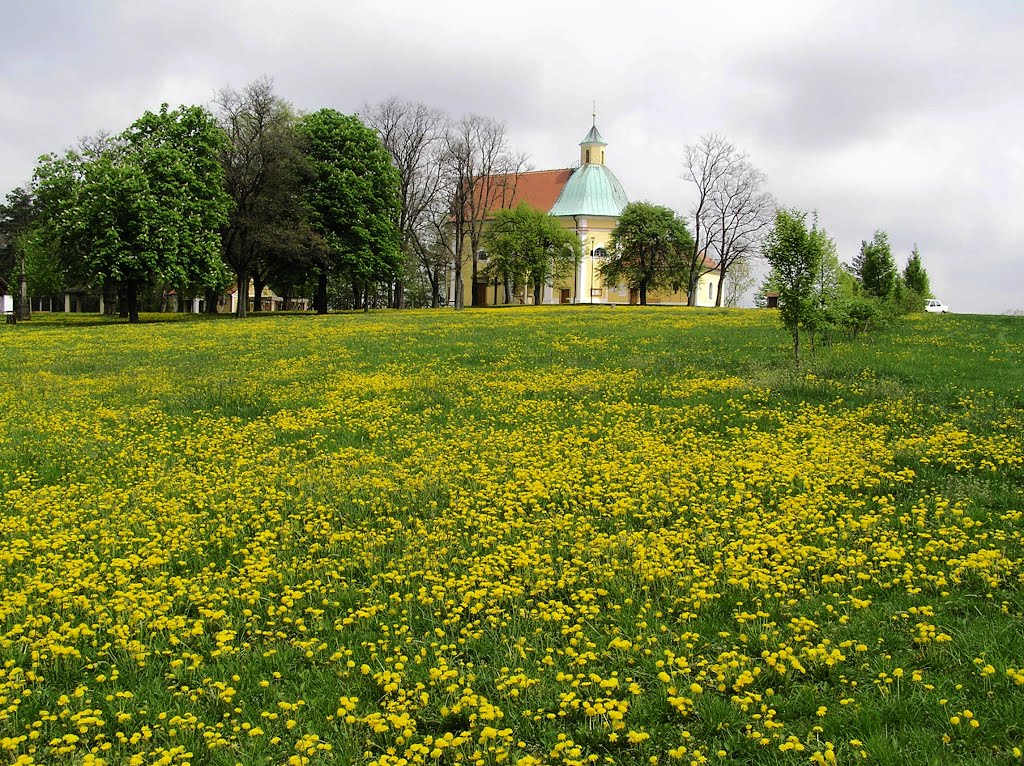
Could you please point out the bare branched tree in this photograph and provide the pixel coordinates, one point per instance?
(479, 173)
(738, 214)
(742, 279)
(263, 165)
(705, 164)
(414, 135)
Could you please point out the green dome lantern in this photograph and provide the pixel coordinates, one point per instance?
(592, 189)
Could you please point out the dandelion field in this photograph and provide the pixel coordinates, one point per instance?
(543, 536)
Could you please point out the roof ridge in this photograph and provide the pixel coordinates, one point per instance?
(547, 170)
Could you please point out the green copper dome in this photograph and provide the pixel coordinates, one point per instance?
(591, 190)
(593, 137)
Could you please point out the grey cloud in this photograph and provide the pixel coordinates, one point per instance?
(899, 116)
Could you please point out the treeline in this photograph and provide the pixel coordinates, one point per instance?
(386, 208)
(353, 210)
(821, 299)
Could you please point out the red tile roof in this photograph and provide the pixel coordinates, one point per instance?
(538, 188)
(709, 263)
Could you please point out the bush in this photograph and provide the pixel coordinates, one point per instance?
(863, 313)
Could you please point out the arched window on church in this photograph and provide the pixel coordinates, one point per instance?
(588, 156)
(600, 253)
(481, 255)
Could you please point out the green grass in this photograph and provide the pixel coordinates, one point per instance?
(501, 525)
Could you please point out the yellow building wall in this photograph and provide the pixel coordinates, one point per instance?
(585, 284)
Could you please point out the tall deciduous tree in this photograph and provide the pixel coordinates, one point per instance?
(738, 213)
(875, 266)
(17, 216)
(527, 246)
(148, 204)
(706, 164)
(413, 134)
(264, 169)
(914, 275)
(479, 173)
(354, 201)
(650, 247)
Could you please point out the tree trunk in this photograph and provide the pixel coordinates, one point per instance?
(643, 293)
(132, 289)
(122, 300)
(242, 287)
(435, 288)
(24, 302)
(109, 298)
(474, 299)
(399, 294)
(459, 296)
(211, 301)
(320, 299)
(537, 288)
(508, 291)
(718, 290)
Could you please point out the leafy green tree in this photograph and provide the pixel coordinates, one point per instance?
(795, 255)
(147, 205)
(875, 266)
(832, 289)
(43, 271)
(354, 203)
(915, 277)
(17, 215)
(526, 246)
(648, 249)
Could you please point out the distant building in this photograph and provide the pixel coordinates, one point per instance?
(589, 200)
(269, 301)
(6, 299)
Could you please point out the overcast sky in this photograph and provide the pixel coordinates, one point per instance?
(903, 116)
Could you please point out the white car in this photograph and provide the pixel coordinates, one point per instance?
(935, 306)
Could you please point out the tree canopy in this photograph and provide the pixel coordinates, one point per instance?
(915, 277)
(875, 267)
(148, 203)
(17, 214)
(803, 271)
(354, 201)
(268, 231)
(526, 246)
(649, 248)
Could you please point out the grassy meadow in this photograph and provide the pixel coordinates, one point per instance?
(563, 535)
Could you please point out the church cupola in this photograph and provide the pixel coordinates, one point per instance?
(592, 147)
